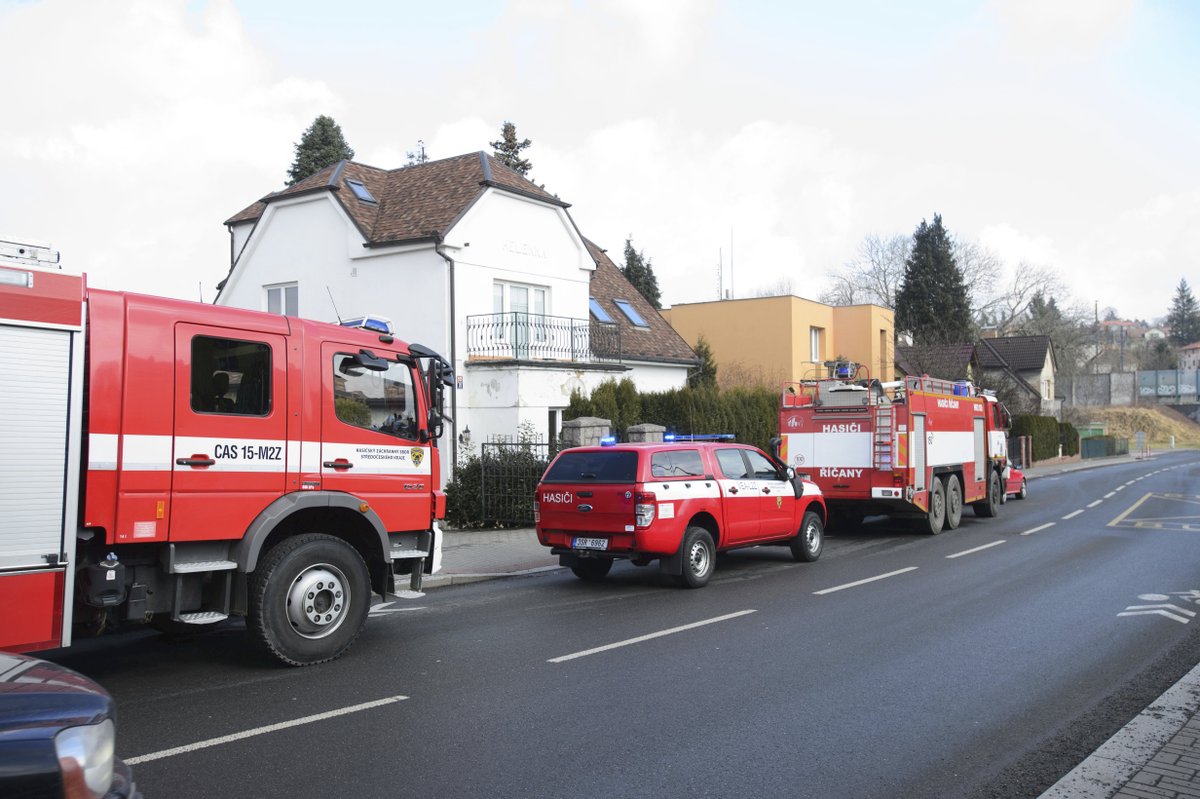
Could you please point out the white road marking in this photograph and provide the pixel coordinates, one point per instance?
(649, 636)
(857, 583)
(384, 608)
(1094, 504)
(1038, 529)
(1072, 514)
(283, 725)
(1110, 495)
(976, 549)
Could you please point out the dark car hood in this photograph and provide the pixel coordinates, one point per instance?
(39, 698)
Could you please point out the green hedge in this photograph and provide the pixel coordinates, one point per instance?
(1047, 433)
(750, 414)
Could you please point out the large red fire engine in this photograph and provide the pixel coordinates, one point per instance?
(174, 463)
(918, 447)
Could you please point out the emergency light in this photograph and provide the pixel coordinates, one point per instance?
(608, 441)
(376, 324)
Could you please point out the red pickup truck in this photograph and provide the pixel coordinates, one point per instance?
(676, 503)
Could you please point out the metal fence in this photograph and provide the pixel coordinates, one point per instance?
(509, 474)
(527, 336)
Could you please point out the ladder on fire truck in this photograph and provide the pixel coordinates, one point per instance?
(28, 253)
(883, 437)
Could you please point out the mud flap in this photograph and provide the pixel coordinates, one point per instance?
(671, 564)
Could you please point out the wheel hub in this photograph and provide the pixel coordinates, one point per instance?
(317, 601)
(698, 558)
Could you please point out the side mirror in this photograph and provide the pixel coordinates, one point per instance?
(791, 473)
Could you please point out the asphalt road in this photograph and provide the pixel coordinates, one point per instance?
(987, 661)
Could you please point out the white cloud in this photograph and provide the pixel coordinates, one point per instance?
(1062, 28)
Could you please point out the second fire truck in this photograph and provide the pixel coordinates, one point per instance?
(918, 448)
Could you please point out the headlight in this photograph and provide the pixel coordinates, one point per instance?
(85, 755)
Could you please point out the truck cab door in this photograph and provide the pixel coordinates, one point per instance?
(776, 498)
(739, 496)
(229, 449)
(371, 421)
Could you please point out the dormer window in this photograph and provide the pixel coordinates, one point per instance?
(631, 313)
(598, 311)
(360, 191)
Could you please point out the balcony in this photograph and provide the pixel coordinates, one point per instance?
(536, 337)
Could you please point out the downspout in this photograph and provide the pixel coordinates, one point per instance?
(437, 247)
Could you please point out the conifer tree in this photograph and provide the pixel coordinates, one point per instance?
(638, 271)
(508, 149)
(1184, 318)
(321, 145)
(932, 303)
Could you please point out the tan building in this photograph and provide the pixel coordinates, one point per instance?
(770, 340)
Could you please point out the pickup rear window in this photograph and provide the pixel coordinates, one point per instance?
(615, 466)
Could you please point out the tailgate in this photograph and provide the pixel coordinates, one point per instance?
(589, 491)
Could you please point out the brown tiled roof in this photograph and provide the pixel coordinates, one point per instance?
(658, 341)
(945, 361)
(1019, 353)
(413, 202)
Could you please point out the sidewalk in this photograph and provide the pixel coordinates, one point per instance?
(1155, 756)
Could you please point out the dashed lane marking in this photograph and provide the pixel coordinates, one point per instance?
(976, 549)
(857, 583)
(1094, 504)
(1039, 528)
(1072, 514)
(649, 636)
(283, 725)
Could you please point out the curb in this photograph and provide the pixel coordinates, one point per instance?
(441, 580)
(1107, 770)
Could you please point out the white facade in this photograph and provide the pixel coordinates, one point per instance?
(508, 252)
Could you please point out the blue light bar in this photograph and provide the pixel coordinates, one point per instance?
(668, 437)
(707, 437)
(608, 441)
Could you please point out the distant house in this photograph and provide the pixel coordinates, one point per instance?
(770, 340)
(1019, 368)
(1189, 356)
(465, 256)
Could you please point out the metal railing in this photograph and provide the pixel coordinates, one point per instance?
(537, 337)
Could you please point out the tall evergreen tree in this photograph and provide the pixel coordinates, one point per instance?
(638, 271)
(1184, 317)
(932, 302)
(321, 145)
(705, 375)
(508, 149)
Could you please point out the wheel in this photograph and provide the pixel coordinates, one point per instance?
(592, 569)
(699, 557)
(936, 517)
(954, 503)
(1023, 492)
(309, 599)
(991, 506)
(808, 543)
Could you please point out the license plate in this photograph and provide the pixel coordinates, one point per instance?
(590, 543)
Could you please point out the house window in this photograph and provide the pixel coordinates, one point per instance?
(361, 191)
(283, 299)
(1046, 391)
(519, 298)
(631, 313)
(815, 344)
(884, 360)
(598, 312)
(520, 316)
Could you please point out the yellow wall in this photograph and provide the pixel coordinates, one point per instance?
(765, 340)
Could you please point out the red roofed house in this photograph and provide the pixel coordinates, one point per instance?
(465, 256)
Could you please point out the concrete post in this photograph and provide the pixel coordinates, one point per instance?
(646, 432)
(586, 431)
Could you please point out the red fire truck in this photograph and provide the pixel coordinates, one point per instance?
(175, 463)
(917, 448)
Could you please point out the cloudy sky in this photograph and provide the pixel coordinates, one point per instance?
(776, 135)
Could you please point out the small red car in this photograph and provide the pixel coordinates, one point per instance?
(678, 503)
(1015, 485)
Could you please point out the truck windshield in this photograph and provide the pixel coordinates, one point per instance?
(614, 466)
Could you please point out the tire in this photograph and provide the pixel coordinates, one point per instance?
(1024, 492)
(935, 517)
(320, 569)
(699, 556)
(808, 543)
(954, 502)
(989, 507)
(592, 570)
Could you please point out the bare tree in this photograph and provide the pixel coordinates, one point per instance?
(980, 269)
(1008, 307)
(873, 276)
(782, 287)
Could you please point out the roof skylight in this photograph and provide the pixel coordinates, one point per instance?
(598, 310)
(361, 191)
(631, 313)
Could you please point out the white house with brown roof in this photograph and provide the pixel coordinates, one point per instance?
(469, 258)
